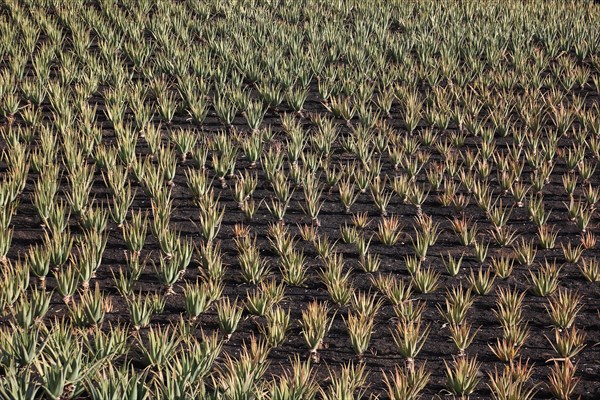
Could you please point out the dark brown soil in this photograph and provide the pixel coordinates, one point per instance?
(383, 355)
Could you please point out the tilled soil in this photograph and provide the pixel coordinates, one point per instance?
(382, 355)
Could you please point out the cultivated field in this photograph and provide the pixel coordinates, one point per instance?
(299, 199)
